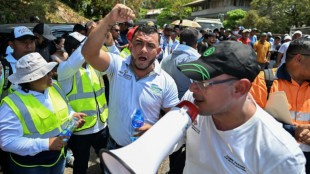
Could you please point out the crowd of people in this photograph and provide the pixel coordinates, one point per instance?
(103, 71)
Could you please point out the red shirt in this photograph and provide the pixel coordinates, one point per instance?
(247, 42)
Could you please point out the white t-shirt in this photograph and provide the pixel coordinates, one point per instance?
(283, 50)
(260, 145)
(151, 93)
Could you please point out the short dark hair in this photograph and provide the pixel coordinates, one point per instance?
(297, 46)
(146, 29)
(189, 36)
(58, 40)
(25, 87)
(71, 43)
(78, 28)
(209, 34)
(113, 26)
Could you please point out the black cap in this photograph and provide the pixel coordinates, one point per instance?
(169, 26)
(129, 23)
(44, 30)
(209, 34)
(79, 28)
(229, 57)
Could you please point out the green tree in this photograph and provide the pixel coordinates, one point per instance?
(252, 19)
(283, 13)
(164, 17)
(164, 4)
(174, 10)
(234, 18)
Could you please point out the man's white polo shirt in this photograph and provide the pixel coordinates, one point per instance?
(150, 94)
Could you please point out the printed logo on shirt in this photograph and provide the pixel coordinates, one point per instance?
(156, 90)
(235, 163)
(124, 74)
(195, 128)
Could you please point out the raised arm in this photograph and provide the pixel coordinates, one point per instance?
(92, 48)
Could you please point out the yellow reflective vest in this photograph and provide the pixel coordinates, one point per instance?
(38, 121)
(125, 53)
(87, 96)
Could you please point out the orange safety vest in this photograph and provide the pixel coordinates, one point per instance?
(298, 96)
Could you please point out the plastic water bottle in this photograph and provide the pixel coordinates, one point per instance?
(70, 127)
(137, 121)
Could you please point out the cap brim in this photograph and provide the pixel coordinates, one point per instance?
(198, 70)
(19, 78)
(25, 37)
(49, 37)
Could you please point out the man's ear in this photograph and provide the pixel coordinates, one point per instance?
(129, 45)
(11, 44)
(241, 88)
(158, 50)
(298, 58)
(72, 50)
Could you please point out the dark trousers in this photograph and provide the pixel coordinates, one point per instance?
(177, 161)
(58, 168)
(80, 146)
(4, 162)
(307, 155)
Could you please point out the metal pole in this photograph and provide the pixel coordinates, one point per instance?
(124, 2)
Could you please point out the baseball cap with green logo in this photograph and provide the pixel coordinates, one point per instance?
(228, 57)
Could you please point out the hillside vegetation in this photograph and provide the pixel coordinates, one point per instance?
(49, 11)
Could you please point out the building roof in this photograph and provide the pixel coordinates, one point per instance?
(194, 3)
(154, 11)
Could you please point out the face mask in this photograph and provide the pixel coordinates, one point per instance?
(235, 32)
(63, 49)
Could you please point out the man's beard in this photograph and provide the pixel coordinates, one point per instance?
(135, 65)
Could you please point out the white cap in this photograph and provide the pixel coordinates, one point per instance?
(31, 67)
(21, 31)
(287, 38)
(78, 36)
(269, 34)
(297, 32)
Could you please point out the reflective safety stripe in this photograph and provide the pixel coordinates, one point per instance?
(81, 96)
(300, 117)
(78, 81)
(85, 95)
(29, 121)
(23, 109)
(60, 92)
(36, 119)
(94, 112)
(62, 153)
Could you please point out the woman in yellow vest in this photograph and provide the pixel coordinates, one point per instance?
(32, 118)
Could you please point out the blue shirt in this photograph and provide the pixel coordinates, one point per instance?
(122, 39)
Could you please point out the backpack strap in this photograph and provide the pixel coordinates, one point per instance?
(7, 71)
(269, 78)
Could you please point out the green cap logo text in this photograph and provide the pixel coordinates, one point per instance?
(209, 51)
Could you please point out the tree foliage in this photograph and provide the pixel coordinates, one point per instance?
(174, 10)
(283, 13)
(252, 19)
(234, 18)
(97, 9)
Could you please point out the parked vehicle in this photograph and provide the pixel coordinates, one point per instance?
(208, 23)
(304, 30)
(6, 29)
